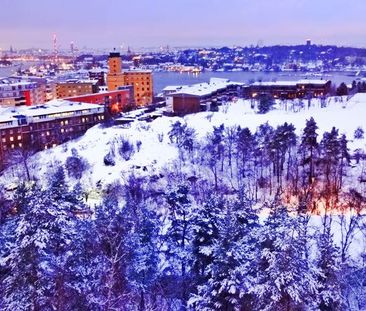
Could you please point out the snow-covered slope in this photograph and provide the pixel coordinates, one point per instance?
(157, 151)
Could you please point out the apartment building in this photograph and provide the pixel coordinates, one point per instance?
(44, 126)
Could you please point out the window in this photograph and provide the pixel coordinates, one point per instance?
(19, 137)
(11, 138)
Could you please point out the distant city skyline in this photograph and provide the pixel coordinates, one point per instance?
(146, 23)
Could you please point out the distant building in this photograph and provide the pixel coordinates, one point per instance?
(76, 87)
(308, 42)
(45, 126)
(201, 96)
(20, 92)
(288, 89)
(141, 80)
(98, 74)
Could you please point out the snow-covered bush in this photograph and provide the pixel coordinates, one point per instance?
(76, 165)
(109, 158)
(126, 149)
(359, 133)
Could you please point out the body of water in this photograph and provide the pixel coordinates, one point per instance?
(163, 79)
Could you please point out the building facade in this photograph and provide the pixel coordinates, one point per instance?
(18, 92)
(45, 126)
(201, 96)
(140, 80)
(75, 87)
(289, 89)
(116, 101)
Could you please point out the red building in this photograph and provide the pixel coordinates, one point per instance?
(117, 101)
(201, 96)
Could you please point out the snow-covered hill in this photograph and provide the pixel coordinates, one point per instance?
(156, 151)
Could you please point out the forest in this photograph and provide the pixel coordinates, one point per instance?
(240, 220)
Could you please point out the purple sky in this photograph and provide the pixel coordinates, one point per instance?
(109, 23)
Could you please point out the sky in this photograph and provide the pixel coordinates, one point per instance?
(152, 23)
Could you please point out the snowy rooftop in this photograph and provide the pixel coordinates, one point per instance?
(51, 107)
(11, 81)
(205, 89)
(94, 81)
(171, 88)
(290, 83)
(136, 71)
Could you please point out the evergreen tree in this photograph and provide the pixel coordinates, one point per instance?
(179, 234)
(265, 104)
(113, 225)
(329, 297)
(206, 229)
(245, 145)
(286, 281)
(232, 271)
(345, 158)
(142, 265)
(308, 148)
(37, 259)
(342, 89)
(283, 139)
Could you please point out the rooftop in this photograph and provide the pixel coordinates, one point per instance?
(205, 89)
(85, 81)
(290, 83)
(52, 107)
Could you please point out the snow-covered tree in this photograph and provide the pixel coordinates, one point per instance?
(143, 260)
(37, 261)
(286, 280)
(113, 224)
(329, 295)
(308, 149)
(178, 239)
(231, 272)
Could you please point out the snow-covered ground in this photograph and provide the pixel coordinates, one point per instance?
(157, 151)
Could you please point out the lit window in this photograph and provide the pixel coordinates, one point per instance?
(4, 140)
(19, 137)
(11, 138)
(20, 145)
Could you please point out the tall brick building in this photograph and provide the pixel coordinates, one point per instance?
(141, 80)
